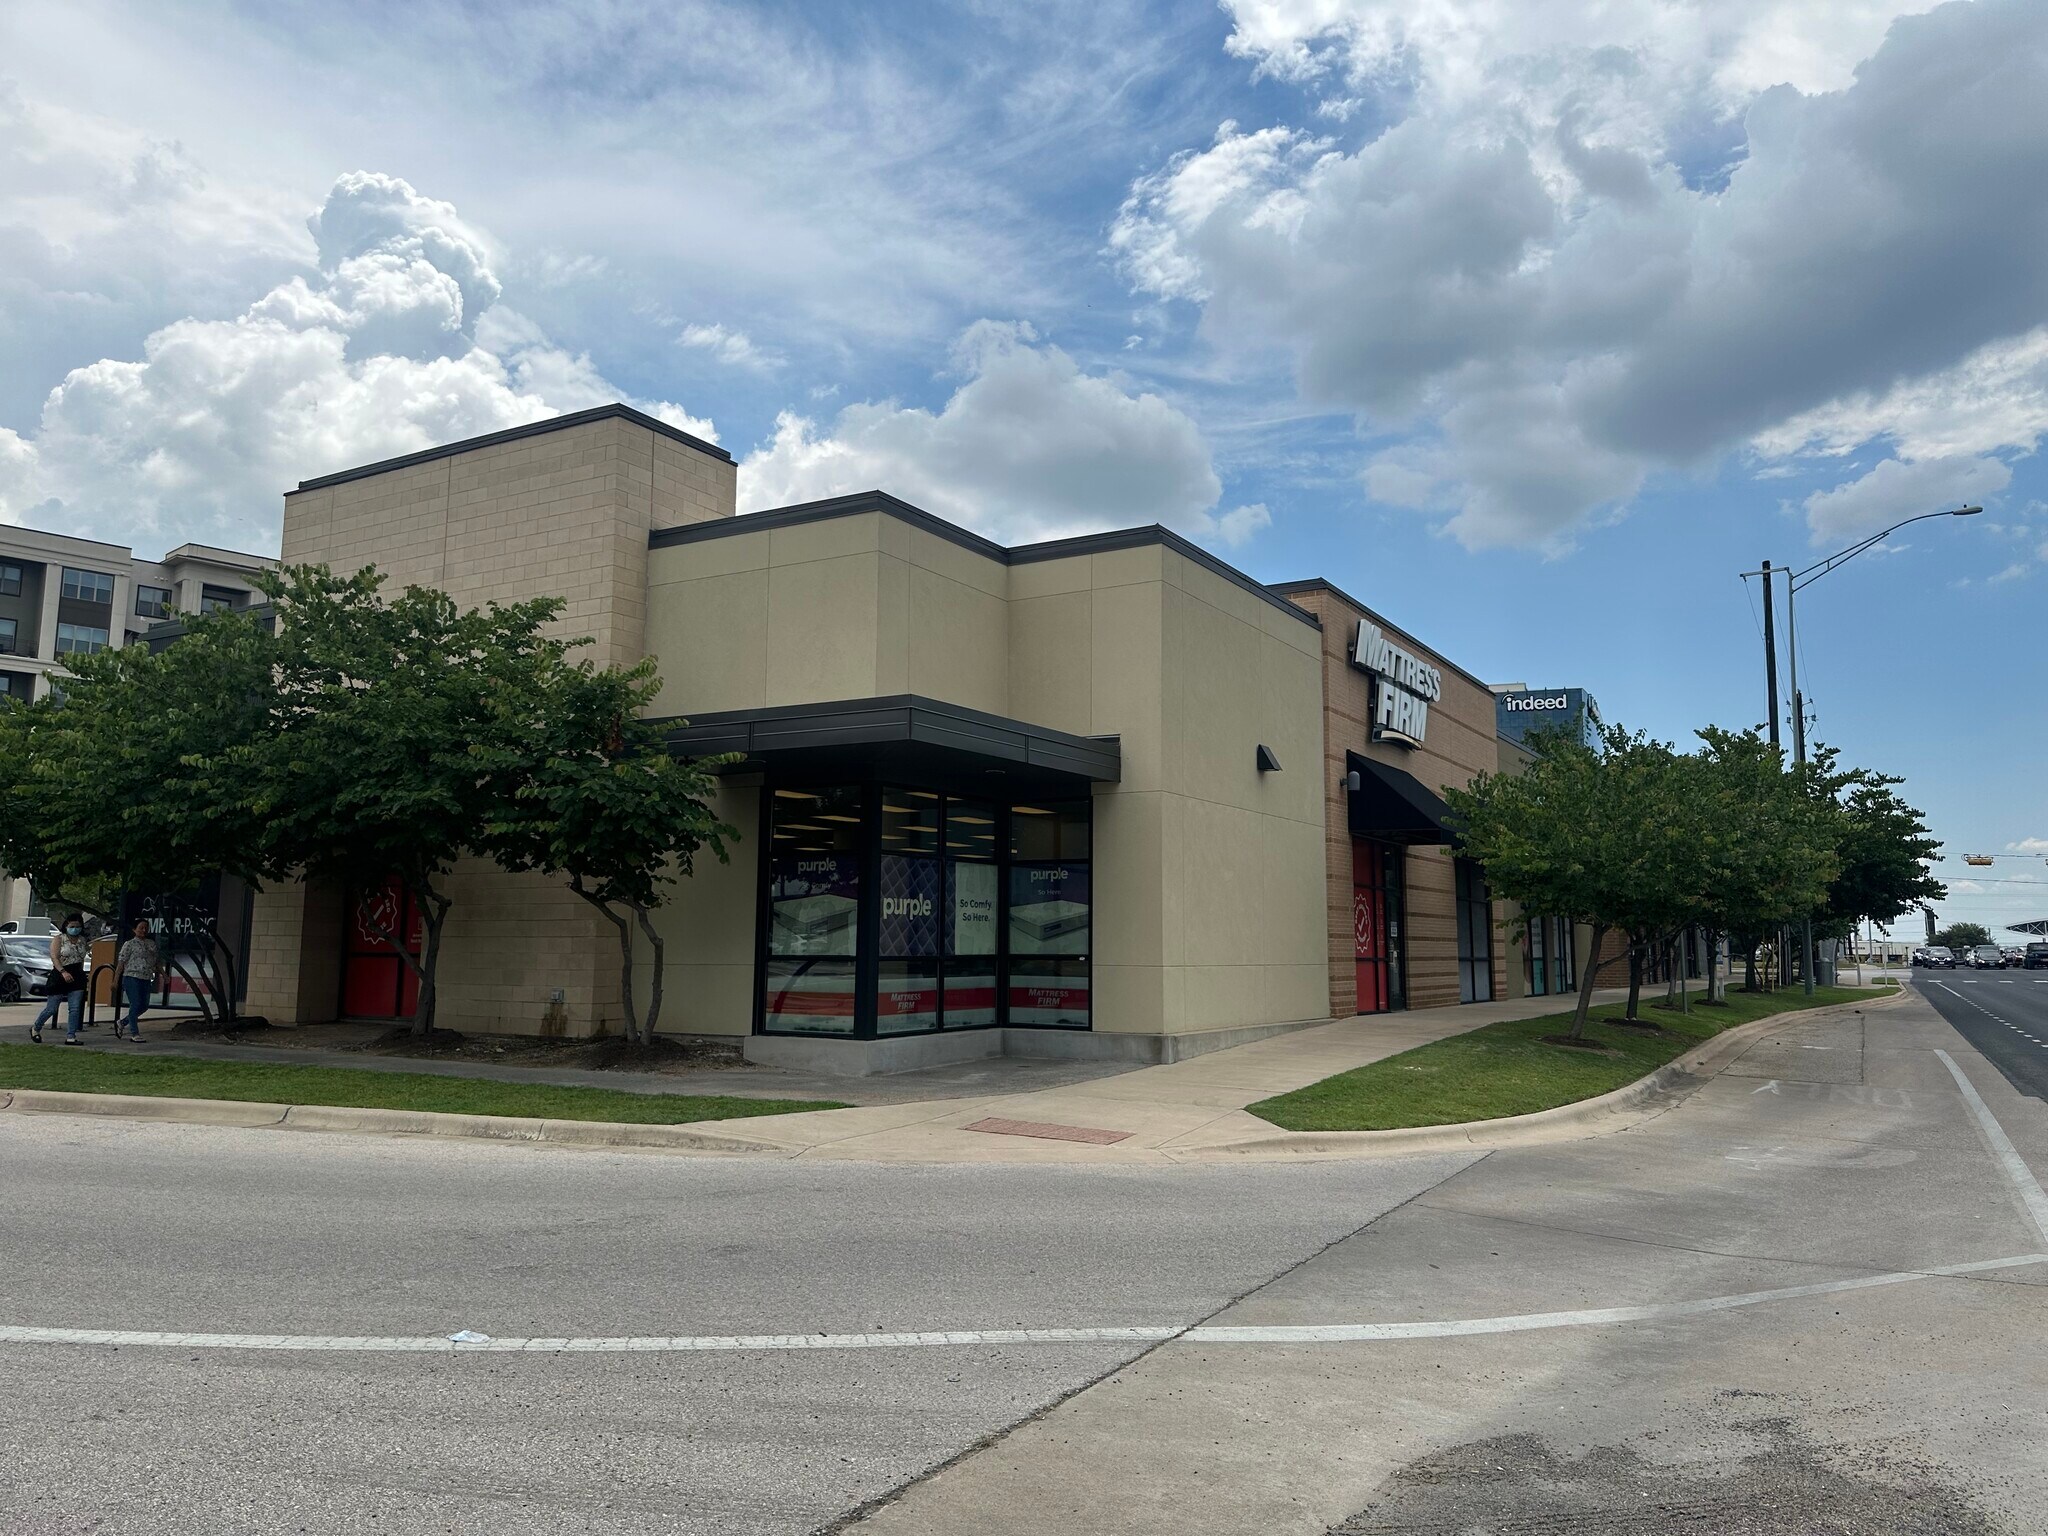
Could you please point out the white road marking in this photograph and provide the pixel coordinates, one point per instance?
(2002, 1148)
(1320, 1333)
(1770, 1087)
(1655, 1312)
(722, 1343)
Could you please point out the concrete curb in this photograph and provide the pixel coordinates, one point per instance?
(243, 1112)
(383, 1122)
(1615, 1110)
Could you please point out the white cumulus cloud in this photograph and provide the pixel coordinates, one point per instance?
(1896, 490)
(1587, 242)
(728, 346)
(2034, 845)
(1028, 447)
(390, 345)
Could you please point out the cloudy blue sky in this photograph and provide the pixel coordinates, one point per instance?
(1531, 326)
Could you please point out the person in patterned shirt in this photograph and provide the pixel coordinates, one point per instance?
(140, 965)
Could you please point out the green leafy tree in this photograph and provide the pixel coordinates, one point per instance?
(1598, 836)
(393, 719)
(131, 783)
(1882, 850)
(1767, 843)
(1962, 936)
(594, 795)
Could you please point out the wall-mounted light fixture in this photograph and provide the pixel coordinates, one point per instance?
(1268, 763)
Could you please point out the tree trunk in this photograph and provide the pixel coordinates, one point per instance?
(222, 979)
(660, 963)
(1749, 969)
(1710, 962)
(1674, 956)
(1635, 978)
(629, 1013)
(433, 908)
(1588, 975)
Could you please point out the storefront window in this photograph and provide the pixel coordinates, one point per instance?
(1475, 933)
(905, 911)
(1548, 963)
(1050, 927)
(907, 980)
(814, 888)
(972, 907)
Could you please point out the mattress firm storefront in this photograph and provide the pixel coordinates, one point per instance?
(1100, 796)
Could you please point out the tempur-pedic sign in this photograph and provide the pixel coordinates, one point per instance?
(1403, 686)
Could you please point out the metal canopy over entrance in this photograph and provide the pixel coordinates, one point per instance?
(901, 736)
(1394, 807)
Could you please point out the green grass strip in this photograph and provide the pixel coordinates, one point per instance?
(1507, 1069)
(76, 1070)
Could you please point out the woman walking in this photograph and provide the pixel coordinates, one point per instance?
(70, 961)
(140, 965)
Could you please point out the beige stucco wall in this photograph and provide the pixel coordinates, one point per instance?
(707, 931)
(1207, 874)
(563, 513)
(856, 607)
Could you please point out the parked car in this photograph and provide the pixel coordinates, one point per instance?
(2037, 957)
(2015, 957)
(1934, 957)
(1987, 957)
(24, 968)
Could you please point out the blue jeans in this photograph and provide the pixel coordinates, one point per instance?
(136, 990)
(55, 1001)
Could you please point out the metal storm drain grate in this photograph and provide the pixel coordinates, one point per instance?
(1046, 1132)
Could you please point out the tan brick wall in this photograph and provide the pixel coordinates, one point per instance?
(1460, 743)
(563, 513)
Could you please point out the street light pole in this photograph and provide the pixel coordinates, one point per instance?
(1770, 653)
(1799, 759)
(1794, 580)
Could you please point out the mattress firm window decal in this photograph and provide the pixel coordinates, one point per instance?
(1403, 687)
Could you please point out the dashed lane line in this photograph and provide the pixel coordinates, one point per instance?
(1321, 1333)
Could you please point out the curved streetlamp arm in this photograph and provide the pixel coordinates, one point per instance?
(1820, 568)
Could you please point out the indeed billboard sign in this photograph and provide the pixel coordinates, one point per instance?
(1521, 713)
(1404, 686)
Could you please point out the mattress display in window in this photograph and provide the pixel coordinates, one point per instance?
(1049, 909)
(814, 905)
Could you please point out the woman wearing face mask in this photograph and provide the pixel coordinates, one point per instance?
(70, 961)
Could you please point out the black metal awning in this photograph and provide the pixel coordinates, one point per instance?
(1393, 806)
(904, 736)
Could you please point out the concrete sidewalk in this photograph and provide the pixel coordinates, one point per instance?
(972, 1079)
(1155, 1114)
(1057, 1112)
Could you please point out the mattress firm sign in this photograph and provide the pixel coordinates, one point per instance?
(1403, 687)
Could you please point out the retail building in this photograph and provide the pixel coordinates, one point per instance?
(1104, 795)
(62, 596)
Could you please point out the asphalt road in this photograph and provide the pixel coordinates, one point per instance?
(113, 1224)
(1797, 1350)
(2004, 1014)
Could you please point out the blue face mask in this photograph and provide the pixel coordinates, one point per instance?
(74, 932)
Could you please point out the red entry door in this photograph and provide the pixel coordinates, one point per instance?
(375, 982)
(1369, 925)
